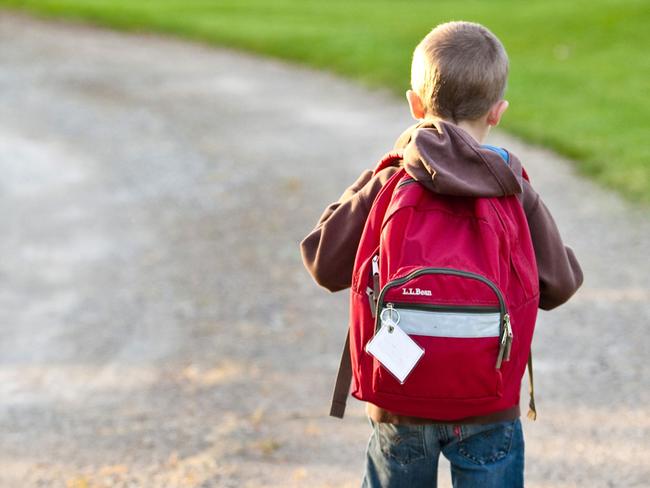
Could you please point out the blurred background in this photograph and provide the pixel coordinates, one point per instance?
(157, 174)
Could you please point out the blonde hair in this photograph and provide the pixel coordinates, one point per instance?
(459, 70)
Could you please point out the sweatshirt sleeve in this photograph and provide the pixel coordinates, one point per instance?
(329, 251)
(560, 275)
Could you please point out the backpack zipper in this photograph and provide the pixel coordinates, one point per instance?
(446, 308)
(505, 329)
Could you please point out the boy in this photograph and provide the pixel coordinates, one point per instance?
(458, 79)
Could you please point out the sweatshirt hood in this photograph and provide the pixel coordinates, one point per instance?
(449, 161)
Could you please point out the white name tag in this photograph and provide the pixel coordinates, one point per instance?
(395, 350)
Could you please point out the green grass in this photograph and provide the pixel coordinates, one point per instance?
(580, 70)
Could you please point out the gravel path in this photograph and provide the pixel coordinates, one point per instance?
(157, 327)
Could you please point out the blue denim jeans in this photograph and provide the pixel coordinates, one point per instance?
(484, 456)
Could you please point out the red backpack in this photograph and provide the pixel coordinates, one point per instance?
(459, 276)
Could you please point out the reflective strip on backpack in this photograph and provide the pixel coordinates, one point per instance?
(449, 324)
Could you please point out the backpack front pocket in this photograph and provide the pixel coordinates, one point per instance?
(464, 343)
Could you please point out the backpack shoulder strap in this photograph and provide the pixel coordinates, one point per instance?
(343, 381)
(344, 375)
(532, 410)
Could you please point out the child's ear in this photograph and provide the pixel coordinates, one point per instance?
(496, 112)
(415, 104)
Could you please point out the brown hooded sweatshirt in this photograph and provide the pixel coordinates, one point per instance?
(447, 161)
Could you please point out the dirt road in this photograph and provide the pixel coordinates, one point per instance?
(157, 327)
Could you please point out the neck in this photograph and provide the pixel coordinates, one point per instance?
(478, 129)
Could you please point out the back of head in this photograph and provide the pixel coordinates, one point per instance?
(459, 71)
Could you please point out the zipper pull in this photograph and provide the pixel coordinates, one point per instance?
(375, 283)
(506, 342)
(375, 264)
(502, 350)
(371, 300)
(509, 337)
